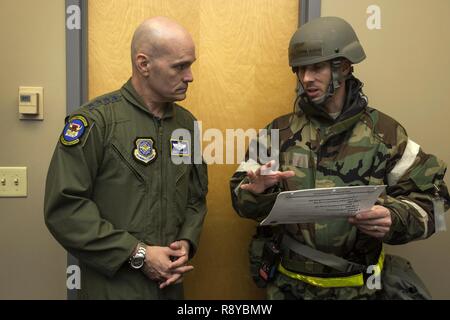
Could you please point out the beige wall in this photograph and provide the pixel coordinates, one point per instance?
(407, 75)
(32, 35)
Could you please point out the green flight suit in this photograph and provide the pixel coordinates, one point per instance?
(112, 183)
(361, 147)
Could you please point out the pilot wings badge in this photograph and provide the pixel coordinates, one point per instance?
(180, 148)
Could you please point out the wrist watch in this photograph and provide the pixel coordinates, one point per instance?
(138, 258)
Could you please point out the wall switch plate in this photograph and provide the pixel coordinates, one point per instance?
(13, 182)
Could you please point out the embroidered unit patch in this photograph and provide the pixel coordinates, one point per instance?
(145, 152)
(74, 130)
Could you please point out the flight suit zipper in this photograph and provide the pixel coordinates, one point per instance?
(159, 126)
(163, 185)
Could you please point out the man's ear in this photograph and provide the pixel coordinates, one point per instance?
(346, 67)
(142, 63)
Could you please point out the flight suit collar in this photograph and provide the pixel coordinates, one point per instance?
(130, 94)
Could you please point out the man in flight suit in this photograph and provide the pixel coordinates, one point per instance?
(335, 139)
(114, 198)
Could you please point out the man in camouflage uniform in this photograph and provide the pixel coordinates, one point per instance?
(335, 139)
(115, 199)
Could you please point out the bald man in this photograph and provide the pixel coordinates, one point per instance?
(114, 197)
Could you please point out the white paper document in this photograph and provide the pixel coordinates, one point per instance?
(313, 205)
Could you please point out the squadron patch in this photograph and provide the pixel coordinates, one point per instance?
(145, 151)
(74, 130)
(180, 148)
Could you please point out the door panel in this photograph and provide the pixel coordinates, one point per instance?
(241, 80)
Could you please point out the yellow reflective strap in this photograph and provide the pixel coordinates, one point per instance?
(356, 280)
(350, 281)
(380, 263)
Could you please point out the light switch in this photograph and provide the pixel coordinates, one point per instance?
(13, 182)
(31, 103)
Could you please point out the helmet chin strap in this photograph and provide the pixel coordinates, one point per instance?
(336, 78)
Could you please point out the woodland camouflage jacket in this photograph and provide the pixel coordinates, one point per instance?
(362, 146)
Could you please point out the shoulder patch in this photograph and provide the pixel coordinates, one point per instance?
(74, 130)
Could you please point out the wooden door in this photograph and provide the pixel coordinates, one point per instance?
(241, 80)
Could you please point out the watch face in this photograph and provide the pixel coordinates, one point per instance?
(137, 262)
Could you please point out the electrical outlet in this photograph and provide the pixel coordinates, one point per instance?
(13, 182)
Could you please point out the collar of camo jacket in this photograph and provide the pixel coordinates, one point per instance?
(354, 105)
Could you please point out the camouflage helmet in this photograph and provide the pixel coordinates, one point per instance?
(324, 39)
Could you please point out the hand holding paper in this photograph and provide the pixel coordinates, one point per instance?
(375, 222)
(312, 205)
